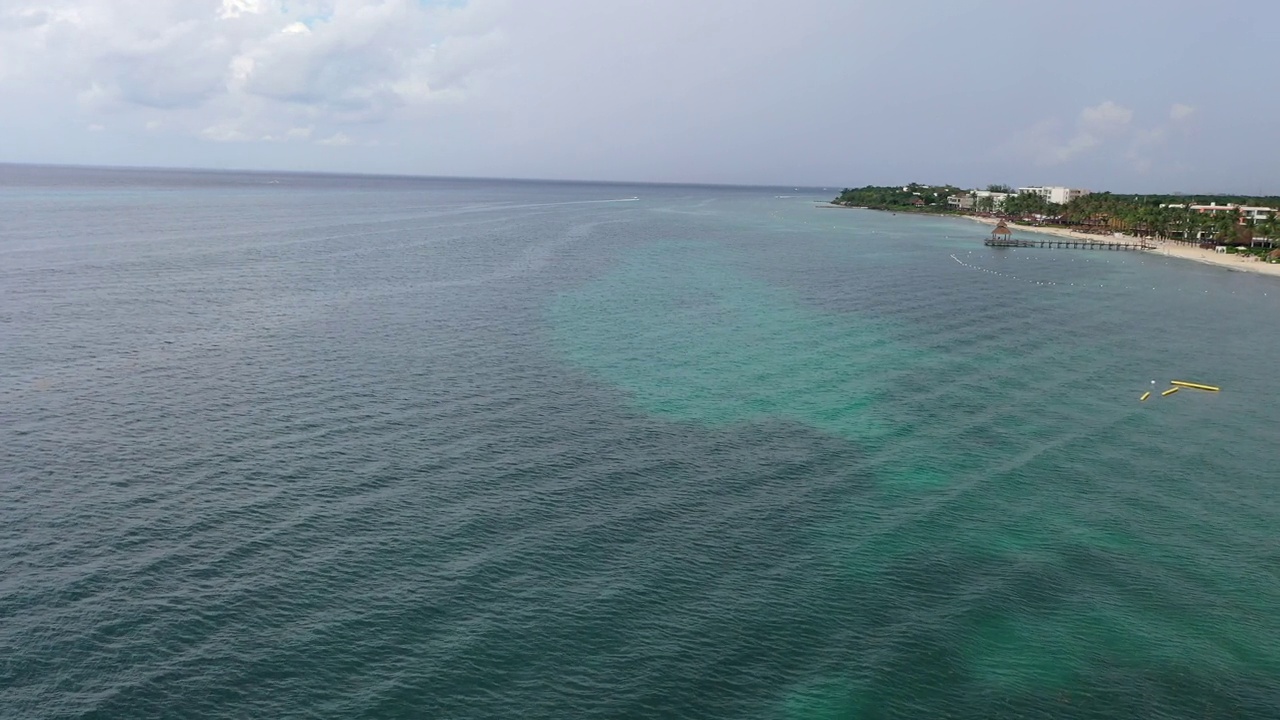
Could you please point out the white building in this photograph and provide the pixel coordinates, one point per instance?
(1054, 193)
(997, 198)
(1247, 212)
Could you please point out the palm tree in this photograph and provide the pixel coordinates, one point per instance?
(1190, 224)
(1161, 219)
(1149, 220)
(1237, 233)
(1225, 225)
(1270, 229)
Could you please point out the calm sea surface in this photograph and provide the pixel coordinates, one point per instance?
(296, 446)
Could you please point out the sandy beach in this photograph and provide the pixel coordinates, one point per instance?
(1169, 249)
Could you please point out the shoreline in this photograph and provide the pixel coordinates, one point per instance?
(1165, 248)
(1162, 247)
(903, 211)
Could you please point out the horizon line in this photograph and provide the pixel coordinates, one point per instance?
(407, 176)
(836, 187)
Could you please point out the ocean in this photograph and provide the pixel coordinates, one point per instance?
(279, 445)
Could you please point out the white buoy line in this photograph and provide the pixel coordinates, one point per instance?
(1011, 276)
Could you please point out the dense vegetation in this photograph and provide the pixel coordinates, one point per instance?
(1147, 215)
(1152, 215)
(914, 197)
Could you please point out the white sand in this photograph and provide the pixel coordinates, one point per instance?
(1246, 263)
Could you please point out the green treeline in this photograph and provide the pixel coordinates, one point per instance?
(913, 197)
(1158, 216)
(1146, 215)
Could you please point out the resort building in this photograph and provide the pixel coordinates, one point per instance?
(997, 198)
(1247, 212)
(1054, 193)
(981, 200)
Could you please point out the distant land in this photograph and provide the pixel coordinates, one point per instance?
(1237, 220)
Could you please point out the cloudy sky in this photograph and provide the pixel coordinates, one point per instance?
(1129, 95)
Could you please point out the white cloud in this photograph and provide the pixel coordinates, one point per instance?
(336, 140)
(1106, 117)
(225, 132)
(1147, 141)
(235, 8)
(233, 70)
(1107, 125)
(1093, 127)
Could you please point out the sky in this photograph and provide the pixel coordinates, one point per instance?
(1123, 95)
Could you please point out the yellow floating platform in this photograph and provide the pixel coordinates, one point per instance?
(1170, 391)
(1145, 395)
(1196, 386)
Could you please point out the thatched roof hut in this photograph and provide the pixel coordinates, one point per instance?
(1001, 232)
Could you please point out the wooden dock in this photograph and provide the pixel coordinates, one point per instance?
(1066, 243)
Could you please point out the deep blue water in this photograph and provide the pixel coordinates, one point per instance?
(321, 446)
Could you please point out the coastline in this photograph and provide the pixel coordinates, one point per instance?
(896, 211)
(1162, 247)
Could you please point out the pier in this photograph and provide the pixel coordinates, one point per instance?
(1002, 236)
(1067, 243)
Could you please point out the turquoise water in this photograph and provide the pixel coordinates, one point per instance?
(360, 447)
